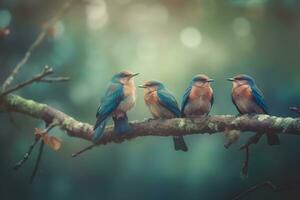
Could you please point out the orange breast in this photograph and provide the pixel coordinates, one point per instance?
(201, 92)
(243, 98)
(151, 97)
(242, 92)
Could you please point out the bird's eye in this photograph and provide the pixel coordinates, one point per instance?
(201, 79)
(125, 75)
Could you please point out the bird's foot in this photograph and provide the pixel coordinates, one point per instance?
(251, 114)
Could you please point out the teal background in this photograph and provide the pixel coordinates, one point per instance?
(167, 40)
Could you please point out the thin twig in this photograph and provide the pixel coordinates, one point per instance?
(38, 161)
(256, 187)
(12, 119)
(83, 150)
(27, 154)
(252, 140)
(34, 45)
(51, 126)
(31, 147)
(245, 166)
(269, 184)
(61, 12)
(23, 61)
(54, 79)
(295, 109)
(46, 71)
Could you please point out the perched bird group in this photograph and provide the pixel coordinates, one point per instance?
(197, 101)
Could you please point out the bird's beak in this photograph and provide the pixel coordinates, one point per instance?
(142, 86)
(230, 79)
(133, 75)
(210, 80)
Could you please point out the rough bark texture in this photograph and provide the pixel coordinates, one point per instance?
(171, 127)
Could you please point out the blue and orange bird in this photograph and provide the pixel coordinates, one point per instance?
(119, 98)
(163, 105)
(248, 99)
(198, 98)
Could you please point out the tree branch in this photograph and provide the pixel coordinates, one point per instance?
(254, 188)
(37, 163)
(252, 140)
(245, 166)
(34, 45)
(54, 79)
(267, 184)
(27, 154)
(24, 60)
(46, 71)
(295, 109)
(171, 127)
(37, 137)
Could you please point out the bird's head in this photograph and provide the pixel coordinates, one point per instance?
(242, 79)
(124, 77)
(201, 80)
(151, 86)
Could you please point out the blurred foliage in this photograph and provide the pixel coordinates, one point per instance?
(167, 40)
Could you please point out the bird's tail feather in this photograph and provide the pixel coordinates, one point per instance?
(99, 131)
(121, 124)
(273, 139)
(179, 143)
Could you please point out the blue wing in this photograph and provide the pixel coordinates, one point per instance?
(111, 100)
(259, 98)
(185, 99)
(168, 101)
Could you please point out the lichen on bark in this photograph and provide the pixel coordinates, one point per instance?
(167, 127)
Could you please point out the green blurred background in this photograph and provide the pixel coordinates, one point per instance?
(167, 40)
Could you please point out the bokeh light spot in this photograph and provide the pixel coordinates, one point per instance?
(247, 3)
(142, 18)
(84, 91)
(60, 29)
(5, 18)
(191, 37)
(241, 27)
(97, 15)
(123, 2)
(147, 50)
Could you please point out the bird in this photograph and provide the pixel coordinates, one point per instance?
(163, 105)
(119, 98)
(198, 98)
(248, 99)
